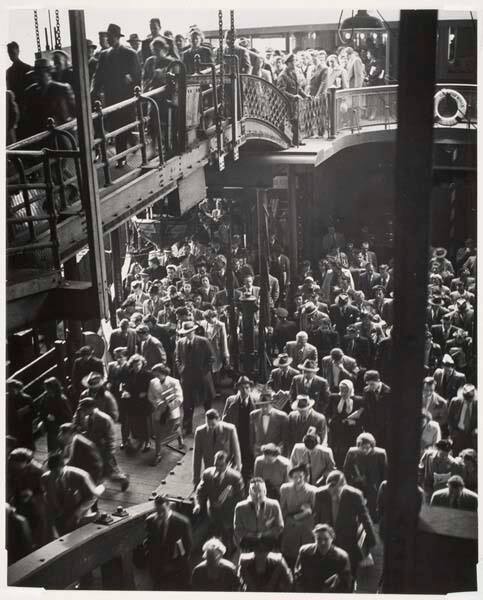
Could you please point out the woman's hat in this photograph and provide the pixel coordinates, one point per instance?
(282, 360)
(188, 327)
(93, 379)
(243, 380)
(308, 365)
(302, 402)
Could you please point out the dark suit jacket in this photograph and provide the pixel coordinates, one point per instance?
(277, 430)
(340, 319)
(365, 286)
(375, 418)
(467, 501)
(348, 369)
(247, 525)
(463, 320)
(298, 428)
(360, 350)
(110, 76)
(165, 556)
(318, 391)
(324, 341)
(120, 339)
(226, 439)
(312, 570)
(454, 414)
(352, 512)
(455, 381)
(441, 337)
(283, 332)
(210, 488)
(434, 314)
(153, 352)
(385, 311)
(85, 455)
(365, 472)
(202, 358)
(434, 358)
(278, 382)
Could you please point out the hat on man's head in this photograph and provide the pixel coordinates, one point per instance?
(290, 58)
(114, 30)
(310, 308)
(188, 327)
(302, 401)
(243, 380)
(447, 360)
(134, 38)
(281, 312)
(93, 380)
(440, 252)
(300, 468)
(282, 360)
(90, 44)
(436, 300)
(308, 365)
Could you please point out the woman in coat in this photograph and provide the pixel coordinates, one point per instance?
(343, 431)
(215, 331)
(133, 275)
(297, 499)
(54, 410)
(139, 409)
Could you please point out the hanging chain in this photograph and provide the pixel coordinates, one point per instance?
(58, 42)
(232, 29)
(37, 34)
(222, 63)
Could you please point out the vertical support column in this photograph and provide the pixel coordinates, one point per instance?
(287, 43)
(417, 52)
(89, 187)
(263, 241)
(232, 314)
(73, 328)
(115, 238)
(292, 221)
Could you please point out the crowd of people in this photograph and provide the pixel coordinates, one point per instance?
(289, 471)
(36, 93)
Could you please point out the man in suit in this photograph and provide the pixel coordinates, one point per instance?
(194, 358)
(282, 375)
(463, 419)
(463, 316)
(123, 337)
(387, 279)
(80, 452)
(368, 280)
(257, 518)
(432, 353)
(237, 412)
(311, 318)
(217, 494)
(318, 459)
(448, 380)
(211, 437)
(368, 255)
(357, 347)
(344, 509)
(83, 365)
(118, 73)
(150, 347)
(267, 424)
(323, 566)
(444, 331)
(300, 349)
(374, 415)
(332, 239)
(365, 467)
(273, 288)
(96, 388)
(435, 404)
(456, 496)
(302, 417)
(435, 310)
(169, 541)
(337, 367)
(154, 303)
(342, 314)
(196, 48)
(381, 305)
(283, 330)
(308, 383)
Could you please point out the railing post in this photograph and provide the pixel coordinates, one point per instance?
(58, 168)
(49, 196)
(181, 110)
(25, 196)
(332, 112)
(140, 117)
(234, 112)
(59, 346)
(103, 144)
(295, 123)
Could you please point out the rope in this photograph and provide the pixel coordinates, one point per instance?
(37, 34)
(58, 42)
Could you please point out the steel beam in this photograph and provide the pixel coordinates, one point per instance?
(414, 153)
(88, 185)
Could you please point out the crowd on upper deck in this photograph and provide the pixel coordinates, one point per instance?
(36, 93)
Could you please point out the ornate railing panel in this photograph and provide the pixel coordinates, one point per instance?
(263, 101)
(312, 116)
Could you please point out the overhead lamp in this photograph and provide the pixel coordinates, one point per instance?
(362, 20)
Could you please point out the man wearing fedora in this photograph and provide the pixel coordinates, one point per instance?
(150, 347)
(283, 330)
(463, 418)
(302, 417)
(104, 400)
(118, 73)
(237, 411)
(44, 99)
(435, 310)
(343, 313)
(281, 376)
(368, 280)
(135, 42)
(444, 265)
(194, 358)
(124, 336)
(463, 316)
(308, 383)
(448, 380)
(300, 350)
(83, 365)
(267, 424)
(381, 305)
(311, 318)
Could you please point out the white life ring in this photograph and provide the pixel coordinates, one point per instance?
(461, 106)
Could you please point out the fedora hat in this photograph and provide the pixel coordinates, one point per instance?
(134, 38)
(90, 44)
(440, 252)
(188, 327)
(310, 308)
(243, 380)
(93, 379)
(115, 30)
(302, 401)
(436, 300)
(282, 360)
(301, 467)
(308, 365)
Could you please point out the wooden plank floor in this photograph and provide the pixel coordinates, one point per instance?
(173, 476)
